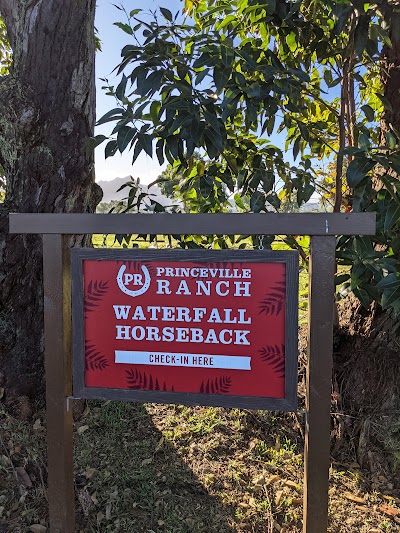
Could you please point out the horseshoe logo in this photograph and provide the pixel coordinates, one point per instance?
(127, 291)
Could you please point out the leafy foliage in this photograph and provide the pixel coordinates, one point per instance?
(5, 50)
(236, 74)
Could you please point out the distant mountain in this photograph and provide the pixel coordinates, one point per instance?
(110, 193)
(110, 189)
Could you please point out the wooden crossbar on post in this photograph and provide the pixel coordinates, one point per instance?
(320, 226)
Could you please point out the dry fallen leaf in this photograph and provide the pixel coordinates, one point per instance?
(390, 498)
(38, 528)
(82, 429)
(297, 501)
(353, 497)
(37, 426)
(253, 443)
(362, 508)
(252, 502)
(259, 480)
(108, 511)
(160, 443)
(90, 472)
(290, 484)
(258, 483)
(272, 479)
(23, 477)
(389, 510)
(278, 497)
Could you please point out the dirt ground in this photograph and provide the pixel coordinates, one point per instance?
(175, 469)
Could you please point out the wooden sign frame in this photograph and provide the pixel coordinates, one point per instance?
(56, 229)
(289, 258)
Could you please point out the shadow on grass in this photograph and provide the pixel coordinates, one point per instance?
(130, 478)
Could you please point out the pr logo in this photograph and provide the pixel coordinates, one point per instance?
(125, 280)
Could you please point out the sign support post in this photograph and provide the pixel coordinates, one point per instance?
(318, 386)
(58, 358)
(321, 227)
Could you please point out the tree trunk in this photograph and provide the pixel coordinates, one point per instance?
(47, 111)
(367, 362)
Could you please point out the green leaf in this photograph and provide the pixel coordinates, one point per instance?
(93, 142)
(120, 92)
(385, 101)
(115, 114)
(391, 140)
(341, 278)
(179, 121)
(201, 75)
(160, 151)
(221, 77)
(155, 111)
(358, 168)
(110, 149)
(124, 27)
(389, 297)
(125, 136)
(274, 200)
(363, 296)
(166, 13)
(146, 142)
(206, 186)
(291, 41)
(368, 112)
(361, 34)
(391, 281)
(392, 216)
(257, 201)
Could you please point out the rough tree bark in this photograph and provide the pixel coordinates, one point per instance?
(367, 363)
(47, 111)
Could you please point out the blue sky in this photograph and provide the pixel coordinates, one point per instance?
(113, 39)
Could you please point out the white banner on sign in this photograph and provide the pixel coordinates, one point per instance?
(233, 362)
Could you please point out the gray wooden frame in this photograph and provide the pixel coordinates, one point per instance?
(289, 258)
(320, 226)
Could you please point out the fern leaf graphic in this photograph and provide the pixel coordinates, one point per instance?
(94, 360)
(216, 386)
(274, 356)
(140, 381)
(94, 294)
(273, 301)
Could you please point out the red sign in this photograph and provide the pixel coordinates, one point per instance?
(173, 323)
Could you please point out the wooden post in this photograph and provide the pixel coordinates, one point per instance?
(57, 329)
(319, 380)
